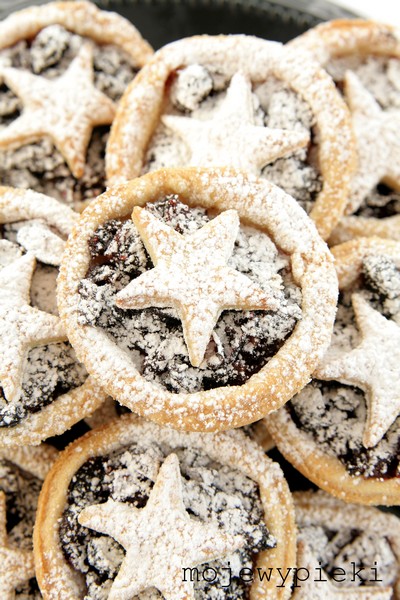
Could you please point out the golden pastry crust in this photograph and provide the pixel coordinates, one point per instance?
(259, 204)
(340, 38)
(67, 409)
(300, 449)
(83, 18)
(55, 576)
(142, 104)
(320, 509)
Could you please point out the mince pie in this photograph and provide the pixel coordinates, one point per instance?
(44, 389)
(351, 552)
(135, 510)
(63, 67)
(22, 471)
(342, 431)
(153, 263)
(363, 57)
(241, 102)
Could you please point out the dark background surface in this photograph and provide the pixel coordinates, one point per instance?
(162, 21)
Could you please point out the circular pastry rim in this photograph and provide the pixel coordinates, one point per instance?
(140, 107)
(319, 508)
(82, 18)
(286, 372)
(233, 449)
(67, 409)
(342, 37)
(323, 469)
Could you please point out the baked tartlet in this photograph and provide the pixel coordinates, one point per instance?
(363, 57)
(351, 551)
(219, 240)
(180, 501)
(63, 67)
(342, 431)
(242, 102)
(44, 389)
(22, 471)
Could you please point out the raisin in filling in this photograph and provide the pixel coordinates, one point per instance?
(335, 414)
(22, 491)
(209, 490)
(242, 341)
(381, 203)
(40, 166)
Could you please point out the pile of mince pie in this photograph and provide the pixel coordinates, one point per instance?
(183, 286)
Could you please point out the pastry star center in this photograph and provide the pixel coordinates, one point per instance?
(231, 137)
(160, 539)
(191, 274)
(65, 109)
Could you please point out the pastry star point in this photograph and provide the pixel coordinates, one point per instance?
(191, 275)
(377, 138)
(160, 539)
(22, 326)
(66, 109)
(231, 137)
(373, 366)
(16, 566)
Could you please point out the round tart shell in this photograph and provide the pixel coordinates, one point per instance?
(142, 104)
(67, 409)
(259, 204)
(56, 578)
(82, 18)
(340, 38)
(326, 471)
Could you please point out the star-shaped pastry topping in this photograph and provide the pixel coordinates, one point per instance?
(22, 326)
(231, 137)
(37, 238)
(192, 276)
(378, 141)
(374, 367)
(66, 109)
(319, 586)
(160, 539)
(16, 566)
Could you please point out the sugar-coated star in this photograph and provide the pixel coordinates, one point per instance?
(191, 275)
(66, 109)
(38, 239)
(319, 586)
(378, 141)
(16, 566)
(374, 367)
(160, 539)
(231, 137)
(22, 326)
